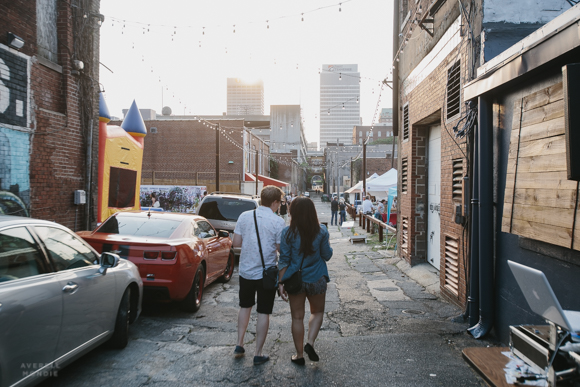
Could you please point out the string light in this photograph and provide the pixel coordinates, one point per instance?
(339, 7)
(340, 76)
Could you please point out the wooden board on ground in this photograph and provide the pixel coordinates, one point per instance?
(489, 362)
(358, 238)
(347, 224)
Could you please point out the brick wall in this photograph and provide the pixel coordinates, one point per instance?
(426, 104)
(51, 113)
(184, 152)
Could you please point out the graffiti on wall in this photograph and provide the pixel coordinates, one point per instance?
(14, 172)
(14, 143)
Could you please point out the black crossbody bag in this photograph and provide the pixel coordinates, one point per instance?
(270, 274)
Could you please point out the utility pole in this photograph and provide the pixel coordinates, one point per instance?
(364, 177)
(256, 169)
(351, 175)
(217, 158)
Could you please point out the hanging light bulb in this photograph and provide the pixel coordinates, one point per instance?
(292, 124)
(302, 17)
(343, 106)
(340, 76)
(357, 99)
(267, 24)
(203, 30)
(234, 28)
(328, 111)
(339, 7)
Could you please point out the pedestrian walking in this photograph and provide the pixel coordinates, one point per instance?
(333, 211)
(265, 226)
(342, 209)
(304, 250)
(284, 209)
(367, 206)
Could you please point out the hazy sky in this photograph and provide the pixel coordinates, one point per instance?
(153, 49)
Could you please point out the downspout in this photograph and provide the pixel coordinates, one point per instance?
(89, 177)
(473, 297)
(395, 79)
(485, 153)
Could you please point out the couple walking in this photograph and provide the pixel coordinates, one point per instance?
(335, 206)
(303, 246)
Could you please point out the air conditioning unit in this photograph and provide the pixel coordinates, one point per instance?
(80, 197)
(153, 130)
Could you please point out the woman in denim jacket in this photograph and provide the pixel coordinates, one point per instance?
(305, 238)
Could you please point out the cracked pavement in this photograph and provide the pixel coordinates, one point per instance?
(380, 328)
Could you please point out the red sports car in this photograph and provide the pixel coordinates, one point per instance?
(178, 255)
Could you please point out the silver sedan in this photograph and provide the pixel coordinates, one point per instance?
(58, 299)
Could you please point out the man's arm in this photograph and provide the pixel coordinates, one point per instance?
(237, 242)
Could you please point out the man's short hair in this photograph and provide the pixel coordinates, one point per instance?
(270, 194)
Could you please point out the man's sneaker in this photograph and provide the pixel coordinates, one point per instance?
(261, 359)
(239, 351)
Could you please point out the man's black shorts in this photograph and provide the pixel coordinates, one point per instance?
(248, 290)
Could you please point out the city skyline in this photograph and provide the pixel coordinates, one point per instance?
(180, 54)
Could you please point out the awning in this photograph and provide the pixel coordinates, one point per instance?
(266, 180)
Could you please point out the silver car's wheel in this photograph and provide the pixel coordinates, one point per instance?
(121, 335)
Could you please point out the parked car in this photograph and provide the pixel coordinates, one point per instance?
(307, 194)
(177, 254)
(58, 299)
(325, 198)
(223, 210)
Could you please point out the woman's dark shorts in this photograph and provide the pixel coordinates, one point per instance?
(318, 287)
(248, 290)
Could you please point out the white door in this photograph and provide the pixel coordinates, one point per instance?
(434, 196)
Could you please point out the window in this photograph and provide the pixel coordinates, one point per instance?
(360, 140)
(149, 226)
(218, 208)
(122, 184)
(205, 230)
(360, 133)
(453, 90)
(46, 33)
(379, 134)
(406, 122)
(19, 255)
(405, 235)
(66, 251)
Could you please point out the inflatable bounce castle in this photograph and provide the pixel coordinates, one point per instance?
(120, 161)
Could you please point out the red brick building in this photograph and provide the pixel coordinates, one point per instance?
(183, 152)
(48, 109)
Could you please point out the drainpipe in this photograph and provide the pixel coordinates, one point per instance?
(89, 177)
(486, 248)
(473, 297)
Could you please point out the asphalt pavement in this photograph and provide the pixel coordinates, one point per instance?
(384, 325)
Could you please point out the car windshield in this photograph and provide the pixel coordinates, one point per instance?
(225, 208)
(139, 226)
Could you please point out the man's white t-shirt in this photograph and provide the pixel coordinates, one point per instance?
(367, 206)
(270, 227)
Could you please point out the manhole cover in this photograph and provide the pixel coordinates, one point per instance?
(412, 311)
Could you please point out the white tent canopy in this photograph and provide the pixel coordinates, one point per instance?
(378, 187)
(357, 188)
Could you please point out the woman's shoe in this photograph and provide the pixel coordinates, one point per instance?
(298, 361)
(311, 352)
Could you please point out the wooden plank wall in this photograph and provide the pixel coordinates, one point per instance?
(540, 202)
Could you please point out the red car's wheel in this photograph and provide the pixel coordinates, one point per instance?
(192, 301)
(229, 271)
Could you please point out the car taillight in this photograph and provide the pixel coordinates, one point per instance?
(150, 254)
(168, 255)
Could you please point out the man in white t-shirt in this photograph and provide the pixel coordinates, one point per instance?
(251, 270)
(367, 206)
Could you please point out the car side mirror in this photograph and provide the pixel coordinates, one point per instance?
(108, 260)
(223, 234)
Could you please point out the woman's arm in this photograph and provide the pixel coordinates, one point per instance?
(281, 291)
(325, 249)
(285, 251)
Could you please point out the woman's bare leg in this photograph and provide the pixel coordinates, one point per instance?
(297, 311)
(317, 303)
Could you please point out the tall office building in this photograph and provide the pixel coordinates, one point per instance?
(339, 103)
(245, 97)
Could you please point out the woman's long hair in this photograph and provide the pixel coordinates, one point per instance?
(304, 222)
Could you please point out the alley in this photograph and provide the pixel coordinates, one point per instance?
(380, 328)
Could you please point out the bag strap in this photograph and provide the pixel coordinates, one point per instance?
(259, 243)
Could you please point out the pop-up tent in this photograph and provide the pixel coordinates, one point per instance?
(357, 188)
(378, 187)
